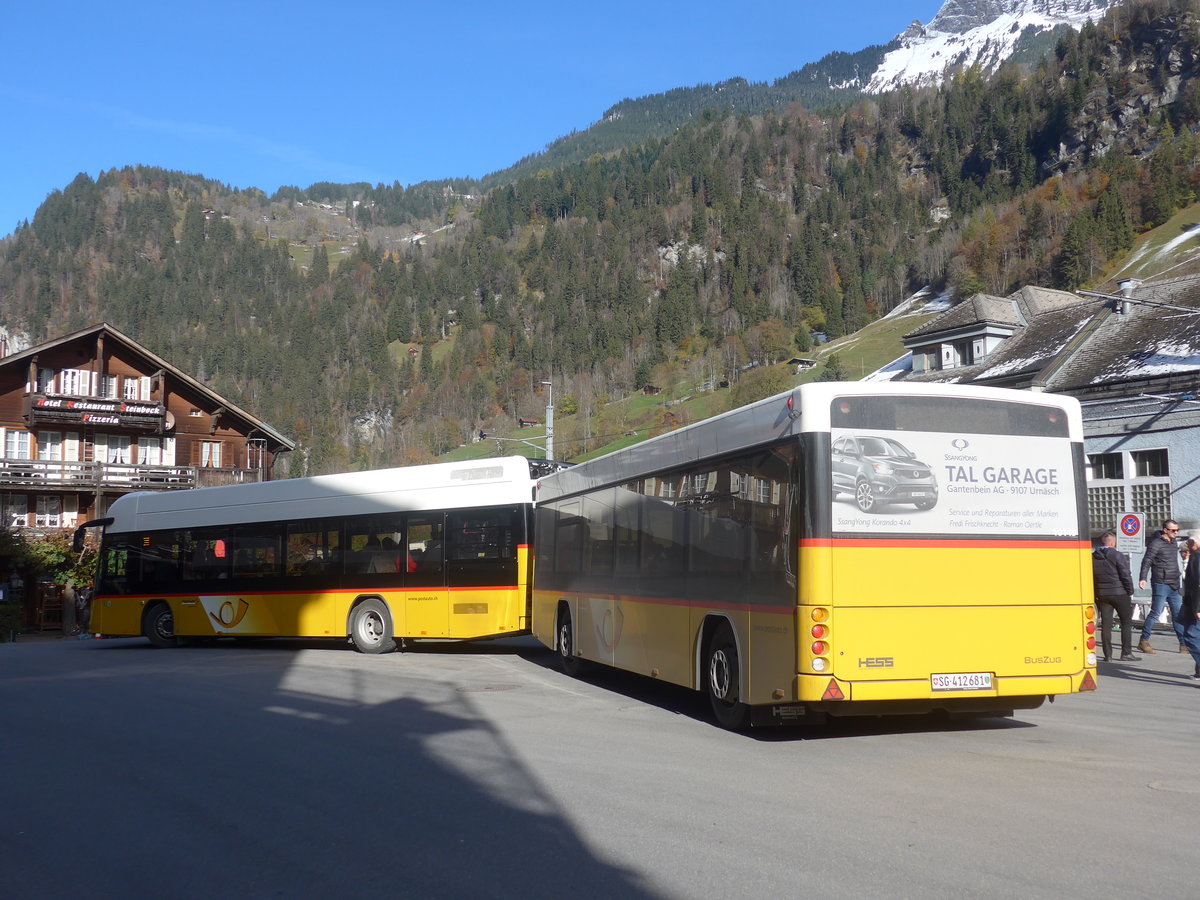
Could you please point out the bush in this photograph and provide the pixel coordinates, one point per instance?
(10, 620)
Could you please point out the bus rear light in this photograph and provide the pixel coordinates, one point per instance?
(820, 614)
(819, 664)
(1091, 643)
(1091, 628)
(1089, 612)
(819, 648)
(820, 631)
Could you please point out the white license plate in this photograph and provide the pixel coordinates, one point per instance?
(962, 681)
(920, 493)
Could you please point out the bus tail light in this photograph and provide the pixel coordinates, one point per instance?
(820, 664)
(1091, 643)
(819, 648)
(820, 631)
(1091, 628)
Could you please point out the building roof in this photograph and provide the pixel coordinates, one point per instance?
(154, 359)
(1081, 345)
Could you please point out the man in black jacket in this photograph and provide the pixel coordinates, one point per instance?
(1113, 585)
(1161, 562)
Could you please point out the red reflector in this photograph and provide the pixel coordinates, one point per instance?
(1088, 683)
(833, 692)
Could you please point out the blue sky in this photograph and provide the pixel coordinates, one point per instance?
(263, 94)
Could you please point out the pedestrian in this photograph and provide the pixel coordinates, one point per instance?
(1113, 584)
(1161, 563)
(1189, 609)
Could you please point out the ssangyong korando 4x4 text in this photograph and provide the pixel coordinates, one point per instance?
(879, 470)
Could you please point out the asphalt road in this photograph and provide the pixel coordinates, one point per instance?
(296, 769)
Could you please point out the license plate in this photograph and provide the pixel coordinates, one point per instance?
(962, 681)
(920, 493)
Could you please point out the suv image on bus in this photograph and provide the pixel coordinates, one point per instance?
(878, 470)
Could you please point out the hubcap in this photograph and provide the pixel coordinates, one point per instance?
(718, 675)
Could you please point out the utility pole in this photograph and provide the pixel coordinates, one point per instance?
(550, 421)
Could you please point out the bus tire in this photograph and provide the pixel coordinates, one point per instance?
(723, 680)
(158, 625)
(571, 664)
(371, 627)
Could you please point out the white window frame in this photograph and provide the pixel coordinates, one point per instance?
(150, 451)
(50, 445)
(76, 382)
(49, 511)
(17, 444)
(119, 449)
(210, 454)
(16, 510)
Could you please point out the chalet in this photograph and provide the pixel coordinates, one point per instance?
(524, 422)
(90, 416)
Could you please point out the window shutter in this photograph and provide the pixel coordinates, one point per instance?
(71, 447)
(168, 456)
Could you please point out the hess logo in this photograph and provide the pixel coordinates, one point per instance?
(227, 616)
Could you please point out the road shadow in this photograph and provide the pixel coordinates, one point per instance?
(263, 774)
(683, 701)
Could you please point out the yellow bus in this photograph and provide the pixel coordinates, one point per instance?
(840, 549)
(425, 552)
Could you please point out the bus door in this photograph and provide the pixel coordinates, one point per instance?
(481, 567)
(426, 597)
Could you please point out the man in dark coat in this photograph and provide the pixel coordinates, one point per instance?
(1189, 609)
(1113, 584)
(1161, 563)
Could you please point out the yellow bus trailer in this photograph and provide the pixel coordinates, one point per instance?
(840, 549)
(423, 552)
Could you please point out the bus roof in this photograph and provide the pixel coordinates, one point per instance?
(805, 408)
(478, 483)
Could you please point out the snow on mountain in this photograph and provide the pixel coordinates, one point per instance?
(974, 31)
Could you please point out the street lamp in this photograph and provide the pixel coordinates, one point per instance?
(550, 421)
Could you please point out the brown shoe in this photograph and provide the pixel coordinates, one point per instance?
(1145, 647)
(1183, 649)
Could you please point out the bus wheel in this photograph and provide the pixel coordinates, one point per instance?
(371, 628)
(864, 496)
(724, 680)
(571, 664)
(159, 626)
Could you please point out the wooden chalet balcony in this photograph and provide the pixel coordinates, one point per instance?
(52, 475)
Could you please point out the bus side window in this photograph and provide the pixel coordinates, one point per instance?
(425, 536)
(311, 548)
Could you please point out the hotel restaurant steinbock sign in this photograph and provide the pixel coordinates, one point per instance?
(97, 412)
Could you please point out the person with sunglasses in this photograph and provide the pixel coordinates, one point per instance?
(1161, 563)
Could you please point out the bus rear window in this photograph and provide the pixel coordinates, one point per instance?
(948, 414)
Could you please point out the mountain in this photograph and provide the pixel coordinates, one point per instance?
(963, 33)
(977, 32)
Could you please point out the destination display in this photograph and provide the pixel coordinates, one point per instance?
(934, 482)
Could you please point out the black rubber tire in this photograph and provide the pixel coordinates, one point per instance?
(158, 626)
(864, 497)
(371, 627)
(571, 664)
(723, 680)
